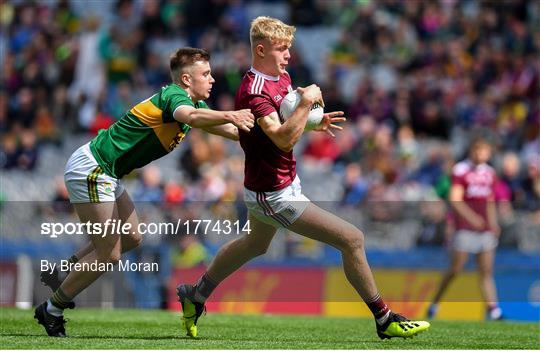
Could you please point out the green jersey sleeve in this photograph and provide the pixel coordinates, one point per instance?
(202, 104)
(172, 98)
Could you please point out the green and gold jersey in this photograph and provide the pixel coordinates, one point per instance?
(145, 133)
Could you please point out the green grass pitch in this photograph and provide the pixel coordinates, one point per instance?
(150, 329)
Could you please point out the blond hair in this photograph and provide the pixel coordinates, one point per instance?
(272, 29)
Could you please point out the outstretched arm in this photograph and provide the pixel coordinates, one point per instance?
(204, 117)
(228, 131)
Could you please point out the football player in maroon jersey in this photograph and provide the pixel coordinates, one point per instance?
(476, 228)
(273, 193)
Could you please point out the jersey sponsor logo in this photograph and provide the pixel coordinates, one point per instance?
(479, 184)
(177, 140)
(478, 191)
(479, 177)
(278, 97)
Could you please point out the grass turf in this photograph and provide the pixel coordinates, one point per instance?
(149, 329)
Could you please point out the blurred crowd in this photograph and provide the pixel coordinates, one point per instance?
(417, 79)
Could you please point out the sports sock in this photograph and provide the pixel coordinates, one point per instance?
(380, 310)
(52, 309)
(204, 288)
(59, 300)
(494, 311)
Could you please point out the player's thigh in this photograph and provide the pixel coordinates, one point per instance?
(106, 244)
(319, 224)
(128, 215)
(458, 260)
(260, 235)
(485, 262)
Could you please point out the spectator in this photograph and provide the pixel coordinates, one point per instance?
(28, 152)
(510, 176)
(356, 187)
(531, 185)
(150, 188)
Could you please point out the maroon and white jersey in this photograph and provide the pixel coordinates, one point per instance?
(478, 183)
(267, 167)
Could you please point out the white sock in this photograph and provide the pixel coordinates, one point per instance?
(52, 309)
(495, 313)
(383, 319)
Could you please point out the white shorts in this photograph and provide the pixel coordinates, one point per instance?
(277, 208)
(86, 181)
(474, 242)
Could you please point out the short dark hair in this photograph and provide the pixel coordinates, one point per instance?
(185, 57)
(479, 140)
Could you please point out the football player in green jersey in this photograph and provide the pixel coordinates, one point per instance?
(150, 130)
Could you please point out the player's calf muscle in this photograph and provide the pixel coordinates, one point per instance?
(108, 251)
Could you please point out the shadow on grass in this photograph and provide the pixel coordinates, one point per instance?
(186, 338)
(103, 337)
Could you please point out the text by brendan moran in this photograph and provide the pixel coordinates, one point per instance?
(122, 266)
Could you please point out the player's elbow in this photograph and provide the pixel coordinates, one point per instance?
(191, 119)
(286, 146)
(285, 143)
(455, 203)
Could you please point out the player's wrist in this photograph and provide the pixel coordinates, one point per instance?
(306, 102)
(229, 116)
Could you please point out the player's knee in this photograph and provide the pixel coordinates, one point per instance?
(114, 257)
(454, 271)
(354, 241)
(260, 250)
(135, 241)
(256, 248)
(486, 273)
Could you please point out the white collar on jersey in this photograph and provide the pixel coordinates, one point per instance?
(265, 76)
(477, 166)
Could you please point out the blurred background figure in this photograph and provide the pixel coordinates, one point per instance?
(477, 230)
